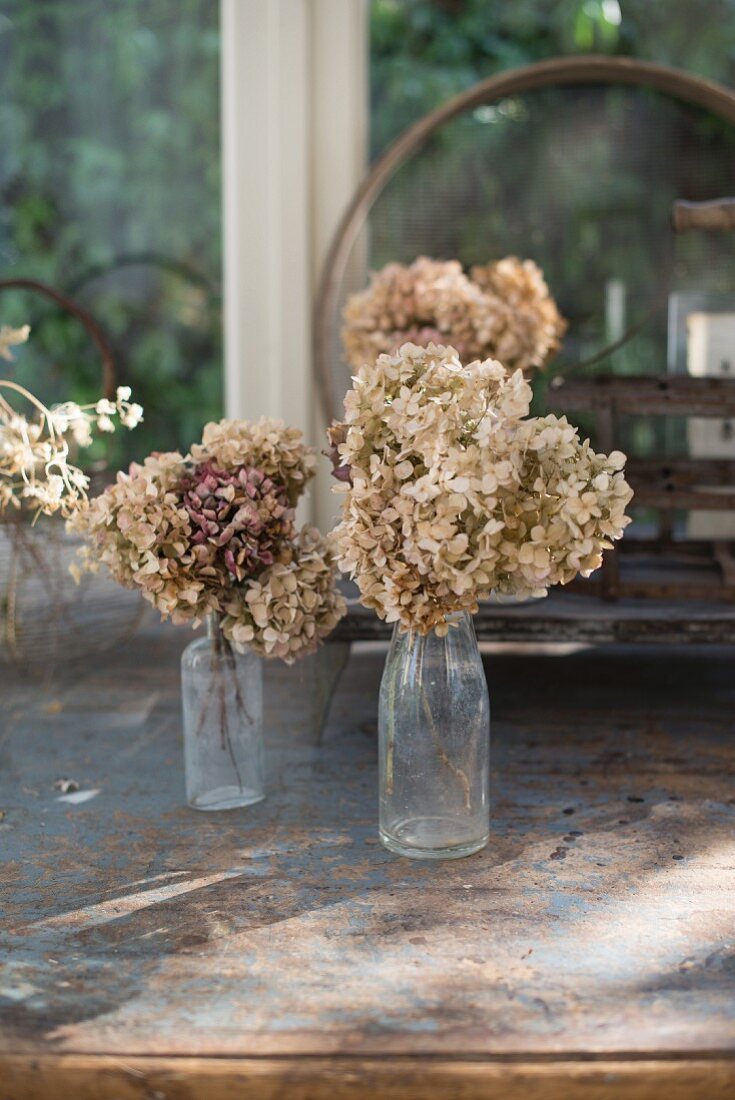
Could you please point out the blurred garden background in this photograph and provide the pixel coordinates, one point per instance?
(424, 51)
(110, 169)
(580, 179)
(110, 185)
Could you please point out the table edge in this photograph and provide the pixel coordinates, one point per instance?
(340, 1077)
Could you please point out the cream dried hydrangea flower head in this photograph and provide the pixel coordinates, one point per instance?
(454, 492)
(140, 530)
(529, 330)
(291, 607)
(503, 311)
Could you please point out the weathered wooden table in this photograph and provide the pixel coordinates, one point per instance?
(152, 951)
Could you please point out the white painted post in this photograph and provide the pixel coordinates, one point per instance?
(294, 141)
(340, 136)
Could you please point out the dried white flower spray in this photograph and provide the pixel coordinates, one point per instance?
(36, 471)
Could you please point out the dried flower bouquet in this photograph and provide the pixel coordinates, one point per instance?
(453, 492)
(501, 310)
(212, 534)
(42, 474)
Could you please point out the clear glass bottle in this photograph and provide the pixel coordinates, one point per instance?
(222, 695)
(434, 743)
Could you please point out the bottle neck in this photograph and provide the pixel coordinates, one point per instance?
(213, 624)
(455, 620)
(414, 649)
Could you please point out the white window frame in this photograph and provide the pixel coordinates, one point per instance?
(294, 148)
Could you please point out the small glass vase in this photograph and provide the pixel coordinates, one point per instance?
(222, 695)
(434, 744)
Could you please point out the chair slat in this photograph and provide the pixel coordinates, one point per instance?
(678, 551)
(685, 499)
(644, 395)
(683, 483)
(666, 579)
(663, 590)
(681, 471)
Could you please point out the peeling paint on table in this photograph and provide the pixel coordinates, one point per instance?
(600, 919)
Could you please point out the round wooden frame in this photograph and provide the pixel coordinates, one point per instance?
(561, 72)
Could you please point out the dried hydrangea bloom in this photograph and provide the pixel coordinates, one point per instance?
(240, 520)
(532, 328)
(140, 530)
(275, 449)
(504, 311)
(291, 606)
(454, 492)
(420, 303)
(209, 532)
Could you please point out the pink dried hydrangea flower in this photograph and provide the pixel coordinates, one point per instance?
(212, 532)
(240, 519)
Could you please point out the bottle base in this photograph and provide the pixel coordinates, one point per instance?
(226, 798)
(419, 838)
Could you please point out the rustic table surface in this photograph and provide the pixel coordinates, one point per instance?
(152, 951)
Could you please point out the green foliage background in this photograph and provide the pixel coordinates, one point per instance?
(109, 191)
(109, 163)
(424, 51)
